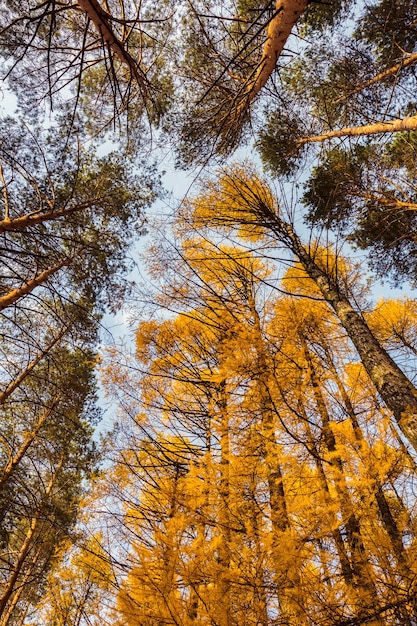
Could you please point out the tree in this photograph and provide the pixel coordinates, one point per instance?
(115, 51)
(44, 464)
(65, 213)
(241, 200)
(344, 112)
(286, 506)
(76, 587)
(372, 201)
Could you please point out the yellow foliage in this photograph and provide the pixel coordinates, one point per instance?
(395, 322)
(238, 199)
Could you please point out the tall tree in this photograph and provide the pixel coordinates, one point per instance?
(241, 200)
(44, 464)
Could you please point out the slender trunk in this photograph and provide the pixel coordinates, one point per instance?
(102, 21)
(260, 600)
(396, 390)
(195, 584)
(80, 610)
(16, 596)
(224, 508)
(394, 534)
(405, 451)
(330, 517)
(193, 602)
(290, 594)
(27, 544)
(167, 585)
(359, 562)
(29, 285)
(406, 343)
(379, 128)
(385, 513)
(26, 443)
(391, 71)
(14, 384)
(38, 217)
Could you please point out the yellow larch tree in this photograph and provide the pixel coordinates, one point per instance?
(261, 481)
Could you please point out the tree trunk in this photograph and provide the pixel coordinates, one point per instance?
(360, 567)
(28, 286)
(290, 594)
(260, 599)
(379, 128)
(102, 21)
(14, 384)
(38, 217)
(26, 443)
(224, 509)
(27, 543)
(279, 29)
(331, 520)
(391, 71)
(16, 596)
(385, 513)
(396, 390)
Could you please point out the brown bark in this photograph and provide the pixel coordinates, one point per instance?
(379, 128)
(278, 31)
(391, 71)
(383, 506)
(393, 533)
(395, 389)
(28, 286)
(27, 544)
(8, 615)
(335, 531)
(385, 513)
(26, 443)
(38, 217)
(279, 515)
(357, 549)
(102, 21)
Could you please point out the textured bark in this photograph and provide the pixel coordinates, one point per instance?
(379, 128)
(279, 29)
(102, 21)
(395, 389)
(38, 217)
(28, 286)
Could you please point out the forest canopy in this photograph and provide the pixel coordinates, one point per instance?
(258, 464)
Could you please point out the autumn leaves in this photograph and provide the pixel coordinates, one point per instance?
(270, 484)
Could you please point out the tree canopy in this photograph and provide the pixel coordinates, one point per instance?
(260, 465)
